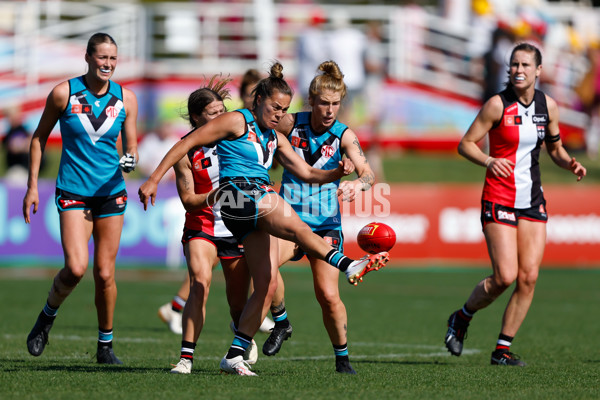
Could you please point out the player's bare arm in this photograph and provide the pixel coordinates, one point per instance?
(184, 181)
(365, 176)
(490, 114)
(291, 161)
(56, 102)
(555, 148)
(225, 127)
(129, 133)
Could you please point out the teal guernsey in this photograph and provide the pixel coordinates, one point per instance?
(250, 155)
(90, 126)
(317, 205)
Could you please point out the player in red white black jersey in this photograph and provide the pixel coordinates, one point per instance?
(206, 240)
(517, 121)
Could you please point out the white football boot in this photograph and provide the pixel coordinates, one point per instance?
(184, 366)
(171, 318)
(368, 263)
(251, 353)
(267, 325)
(236, 366)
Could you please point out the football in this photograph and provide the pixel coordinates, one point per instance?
(376, 237)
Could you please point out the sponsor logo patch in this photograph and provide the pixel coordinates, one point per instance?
(332, 241)
(121, 200)
(299, 143)
(112, 112)
(540, 119)
(70, 203)
(206, 163)
(506, 215)
(81, 109)
(327, 151)
(512, 120)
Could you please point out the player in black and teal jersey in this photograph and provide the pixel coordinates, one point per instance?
(90, 190)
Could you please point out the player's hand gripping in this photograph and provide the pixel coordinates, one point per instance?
(127, 162)
(346, 166)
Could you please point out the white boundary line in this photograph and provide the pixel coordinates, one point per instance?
(434, 351)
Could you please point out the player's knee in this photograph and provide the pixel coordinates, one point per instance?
(105, 276)
(272, 288)
(528, 278)
(70, 277)
(200, 287)
(73, 272)
(328, 299)
(501, 281)
(64, 283)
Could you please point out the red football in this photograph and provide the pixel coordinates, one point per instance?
(376, 237)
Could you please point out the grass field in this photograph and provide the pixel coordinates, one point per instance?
(397, 320)
(410, 167)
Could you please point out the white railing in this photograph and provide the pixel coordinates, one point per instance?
(45, 40)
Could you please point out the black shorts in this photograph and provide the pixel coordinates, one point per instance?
(227, 247)
(493, 212)
(238, 198)
(334, 237)
(100, 206)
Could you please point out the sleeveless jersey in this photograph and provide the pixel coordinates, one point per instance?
(518, 137)
(250, 155)
(90, 126)
(205, 171)
(317, 205)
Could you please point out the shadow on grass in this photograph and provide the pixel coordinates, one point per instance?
(25, 366)
(397, 362)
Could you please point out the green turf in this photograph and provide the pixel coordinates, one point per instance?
(397, 320)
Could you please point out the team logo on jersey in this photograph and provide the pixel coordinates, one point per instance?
(541, 131)
(206, 163)
(203, 164)
(252, 137)
(512, 120)
(112, 112)
(300, 143)
(327, 151)
(332, 241)
(540, 119)
(271, 146)
(81, 109)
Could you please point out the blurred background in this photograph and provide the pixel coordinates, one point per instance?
(417, 73)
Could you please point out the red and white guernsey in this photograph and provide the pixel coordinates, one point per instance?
(518, 137)
(205, 170)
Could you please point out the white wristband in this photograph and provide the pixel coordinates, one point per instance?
(488, 161)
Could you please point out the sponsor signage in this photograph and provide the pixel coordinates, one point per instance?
(434, 224)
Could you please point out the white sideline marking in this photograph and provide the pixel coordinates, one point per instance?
(434, 351)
